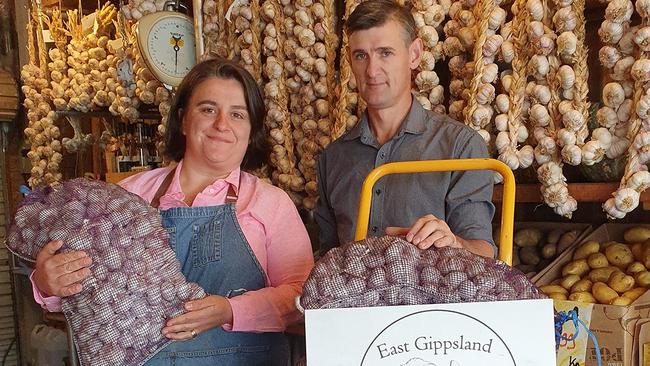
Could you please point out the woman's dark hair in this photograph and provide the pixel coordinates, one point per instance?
(258, 149)
(375, 13)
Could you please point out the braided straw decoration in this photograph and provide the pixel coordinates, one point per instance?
(222, 37)
(518, 86)
(344, 106)
(482, 11)
(42, 49)
(552, 106)
(31, 48)
(580, 67)
(255, 47)
(331, 44)
(283, 96)
(231, 38)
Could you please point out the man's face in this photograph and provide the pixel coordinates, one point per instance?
(382, 61)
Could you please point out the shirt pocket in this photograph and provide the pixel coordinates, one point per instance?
(206, 241)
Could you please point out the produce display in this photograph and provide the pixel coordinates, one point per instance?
(535, 248)
(612, 273)
(388, 270)
(136, 283)
(518, 75)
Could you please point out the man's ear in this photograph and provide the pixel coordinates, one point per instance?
(415, 53)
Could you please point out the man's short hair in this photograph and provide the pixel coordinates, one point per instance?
(375, 13)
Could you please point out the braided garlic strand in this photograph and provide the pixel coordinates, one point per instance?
(636, 178)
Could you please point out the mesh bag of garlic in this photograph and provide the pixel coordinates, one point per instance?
(136, 282)
(388, 270)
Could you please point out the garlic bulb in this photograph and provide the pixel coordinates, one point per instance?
(612, 211)
(136, 9)
(593, 152)
(626, 199)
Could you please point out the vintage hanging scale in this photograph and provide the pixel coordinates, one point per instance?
(166, 40)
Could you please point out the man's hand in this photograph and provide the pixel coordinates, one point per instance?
(60, 274)
(431, 231)
(426, 232)
(210, 312)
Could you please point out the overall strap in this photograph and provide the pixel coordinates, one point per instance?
(231, 196)
(155, 202)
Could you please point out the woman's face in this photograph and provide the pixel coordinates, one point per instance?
(216, 124)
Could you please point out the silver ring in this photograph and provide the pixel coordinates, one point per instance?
(193, 333)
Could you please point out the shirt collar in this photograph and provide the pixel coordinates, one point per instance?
(175, 188)
(414, 123)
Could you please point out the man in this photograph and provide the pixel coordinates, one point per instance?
(429, 209)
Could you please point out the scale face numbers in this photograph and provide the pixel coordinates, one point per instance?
(167, 43)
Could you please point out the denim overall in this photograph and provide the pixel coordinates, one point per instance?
(214, 253)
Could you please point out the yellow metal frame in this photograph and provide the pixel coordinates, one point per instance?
(425, 166)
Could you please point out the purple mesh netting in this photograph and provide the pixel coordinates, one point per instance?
(136, 282)
(390, 271)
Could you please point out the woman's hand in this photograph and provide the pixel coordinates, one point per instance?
(210, 312)
(60, 274)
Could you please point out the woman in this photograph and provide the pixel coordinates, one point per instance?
(240, 239)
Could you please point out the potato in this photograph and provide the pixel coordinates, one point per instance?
(577, 267)
(597, 260)
(637, 251)
(553, 236)
(556, 281)
(566, 240)
(606, 244)
(635, 293)
(603, 293)
(637, 234)
(584, 285)
(586, 248)
(645, 255)
(582, 297)
(620, 282)
(557, 296)
(621, 301)
(550, 289)
(529, 237)
(569, 281)
(549, 250)
(619, 255)
(635, 267)
(642, 279)
(601, 274)
(529, 255)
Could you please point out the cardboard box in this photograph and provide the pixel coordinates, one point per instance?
(642, 334)
(546, 227)
(613, 326)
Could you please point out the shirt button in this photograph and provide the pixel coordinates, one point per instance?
(211, 191)
(382, 155)
(378, 191)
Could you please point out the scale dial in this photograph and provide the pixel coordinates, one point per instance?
(166, 40)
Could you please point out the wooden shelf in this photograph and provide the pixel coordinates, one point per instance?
(582, 192)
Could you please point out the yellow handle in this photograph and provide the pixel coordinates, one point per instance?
(424, 166)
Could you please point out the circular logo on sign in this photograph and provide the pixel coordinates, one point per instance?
(456, 339)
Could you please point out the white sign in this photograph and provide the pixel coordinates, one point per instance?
(506, 333)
